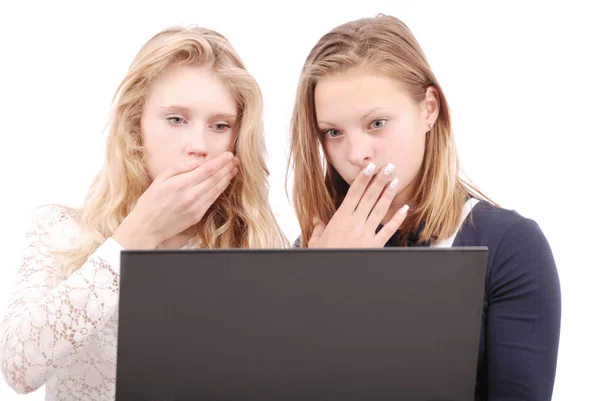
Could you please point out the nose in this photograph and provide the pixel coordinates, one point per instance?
(196, 145)
(359, 149)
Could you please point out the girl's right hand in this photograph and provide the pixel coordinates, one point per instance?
(175, 201)
(354, 223)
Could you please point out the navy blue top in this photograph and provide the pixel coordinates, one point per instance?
(521, 307)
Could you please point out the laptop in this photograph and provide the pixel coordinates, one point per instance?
(300, 324)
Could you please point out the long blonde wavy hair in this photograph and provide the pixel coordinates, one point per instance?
(385, 45)
(241, 217)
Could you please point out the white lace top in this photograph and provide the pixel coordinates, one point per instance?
(61, 331)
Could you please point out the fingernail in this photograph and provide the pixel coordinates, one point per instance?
(404, 209)
(394, 183)
(388, 169)
(370, 169)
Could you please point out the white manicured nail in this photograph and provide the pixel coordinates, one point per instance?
(394, 183)
(404, 209)
(370, 169)
(388, 169)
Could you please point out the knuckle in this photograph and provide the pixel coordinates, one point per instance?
(377, 211)
(188, 198)
(215, 179)
(210, 170)
(369, 197)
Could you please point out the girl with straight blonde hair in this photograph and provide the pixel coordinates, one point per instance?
(184, 168)
(375, 164)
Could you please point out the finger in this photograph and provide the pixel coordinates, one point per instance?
(357, 189)
(206, 199)
(217, 177)
(225, 161)
(317, 231)
(208, 194)
(222, 186)
(374, 191)
(382, 206)
(182, 167)
(391, 226)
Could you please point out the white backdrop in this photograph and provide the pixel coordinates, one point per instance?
(521, 79)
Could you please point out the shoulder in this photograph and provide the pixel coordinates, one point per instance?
(490, 225)
(58, 225)
(487, 213)
(54, 216)
(517, 247)
(54, 213)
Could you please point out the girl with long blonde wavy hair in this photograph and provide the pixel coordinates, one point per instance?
(184, 168)
(375, 164)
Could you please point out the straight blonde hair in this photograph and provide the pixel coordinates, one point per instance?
(241, 217)
(385, 45)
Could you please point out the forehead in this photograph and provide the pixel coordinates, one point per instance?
(195, 86)
(358, 91)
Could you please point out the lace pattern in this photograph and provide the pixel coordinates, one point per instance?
(62, 332)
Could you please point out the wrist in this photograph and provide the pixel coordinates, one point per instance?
(133, 234)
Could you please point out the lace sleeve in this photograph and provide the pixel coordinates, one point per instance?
(49, 316)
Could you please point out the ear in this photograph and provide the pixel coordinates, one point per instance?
(430, 108)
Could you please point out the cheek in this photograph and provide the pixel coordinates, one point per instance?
(224, 143)
(333, 153)
(158, 161)
(231, 142)
(337, 157)
(157, 138)
(407, 154)
(219, 144)
(161, 153)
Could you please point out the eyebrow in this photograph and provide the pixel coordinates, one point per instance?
(373, 110)
(187, 110)
(175, 107)
(225, 116)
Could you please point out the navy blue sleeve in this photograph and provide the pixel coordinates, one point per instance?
(523, 317)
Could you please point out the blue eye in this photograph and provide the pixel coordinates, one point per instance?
(332, 133)
(220, 127)
(176, 120)
(378, 124)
